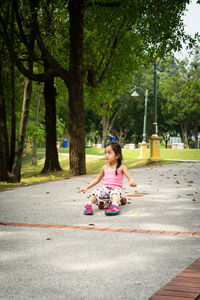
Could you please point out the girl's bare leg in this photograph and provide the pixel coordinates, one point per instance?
(92, 199)
(115, 199)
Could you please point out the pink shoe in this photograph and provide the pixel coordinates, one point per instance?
(112, 210)
(88, 209)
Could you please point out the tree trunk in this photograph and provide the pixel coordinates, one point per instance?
(34, 156)
(196, 133)
(183, 130)
(13, 112)
(4, 149)
(105, 122)
(120, 135)
(75, 88)
(16, 171)
(51, 161)
(13, 118)
(108, 122)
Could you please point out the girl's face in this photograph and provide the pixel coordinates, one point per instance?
(110, 154)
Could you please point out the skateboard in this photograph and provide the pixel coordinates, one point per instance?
(105, 202)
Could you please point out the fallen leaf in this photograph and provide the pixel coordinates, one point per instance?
(190, 181)
(190, 194)
(177, 182)
(49, 239)
(194, 200)
(36, 203)
(47, 192)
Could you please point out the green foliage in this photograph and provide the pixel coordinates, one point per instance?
(180, 94)
(146, 29)
(118, 36)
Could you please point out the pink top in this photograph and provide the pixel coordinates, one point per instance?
(111, 179)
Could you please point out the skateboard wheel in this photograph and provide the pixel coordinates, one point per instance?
(123, 201)
(101, 205)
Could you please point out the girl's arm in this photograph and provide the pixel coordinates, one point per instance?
(128, 176)
(94, 182)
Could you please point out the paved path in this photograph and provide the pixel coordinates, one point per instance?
(129, 256)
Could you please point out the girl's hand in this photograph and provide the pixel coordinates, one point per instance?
(83, 190)
(132, 184)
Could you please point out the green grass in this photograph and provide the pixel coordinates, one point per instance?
(185, 154)
(31, 174)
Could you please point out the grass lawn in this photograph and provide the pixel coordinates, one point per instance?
(31, 174)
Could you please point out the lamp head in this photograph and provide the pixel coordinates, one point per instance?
(134, 94)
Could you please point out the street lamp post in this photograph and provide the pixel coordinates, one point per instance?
(144, 136)
(155, 139)
(143, 145)
(155, 124)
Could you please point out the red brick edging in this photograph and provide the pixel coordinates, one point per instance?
(113, 229)
(186, 285)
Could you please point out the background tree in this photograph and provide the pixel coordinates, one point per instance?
(180, 102)
(151, 25)
(4, 146)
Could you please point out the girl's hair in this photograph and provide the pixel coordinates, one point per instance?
(118, 151)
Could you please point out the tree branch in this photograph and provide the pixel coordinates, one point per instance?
(117, 113)
(92, 73)
(19, 23)
(47, 57)
(37, 77)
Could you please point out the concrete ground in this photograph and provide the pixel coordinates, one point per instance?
(63, 263)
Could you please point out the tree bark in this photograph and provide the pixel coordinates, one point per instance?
(108, 122)
(16, 170)
(4, 148)
(75, 88)
(51, 161)
(196, 133)
(13, 118)
(13, 112)
(34, 149)
(105, 122)
(184, 125)
(120, 135)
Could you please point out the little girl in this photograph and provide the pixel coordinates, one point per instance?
(113, 173)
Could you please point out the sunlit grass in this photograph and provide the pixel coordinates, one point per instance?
(31, 174)
(184, 154)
